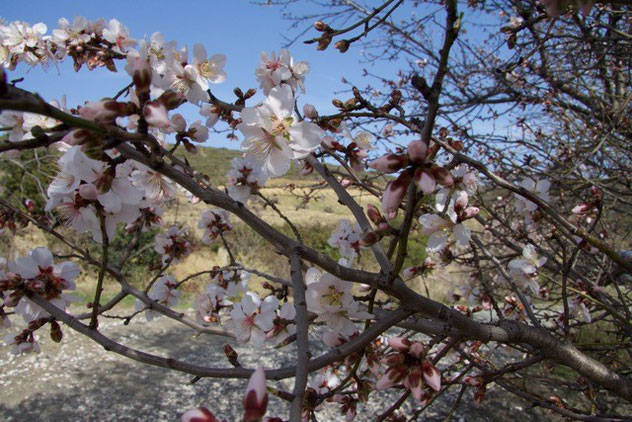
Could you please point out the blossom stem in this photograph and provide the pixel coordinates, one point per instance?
(104, 263)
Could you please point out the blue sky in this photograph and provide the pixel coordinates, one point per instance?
(238, 29)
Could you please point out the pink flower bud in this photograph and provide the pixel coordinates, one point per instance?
(256, 398)
(77, 136)
(393, 359)
(581, 208)
(461, 201)
(425, 181)
(102, 111)
(390, 378)
(401, 344)
(13, 299)
(310, 112)
(470, 212)
(432, 376)
(369, 239)
(414, 383)
(345, 183)
(394, 193)
(29, 204)
(410, 273)
(171, 99)
(442, 176)
(374, 214)
(417, 152)
(197, 132)
(200, 414)
(389, 163)
(417, 350)
(331, 143)
(307, 169)
(178, 122)
(156, 115)
(472, 381)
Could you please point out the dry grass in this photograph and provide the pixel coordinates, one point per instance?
(315, 220)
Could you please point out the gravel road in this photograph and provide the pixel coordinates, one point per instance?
(78, 380)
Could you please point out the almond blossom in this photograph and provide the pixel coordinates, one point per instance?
(154, 186)
(442, 228)
(173, 245)
(252, 318)
(227, 286)
(408, 365)
(39, 274)
(464, 180)
(331, 300)
(24, 43)
(23, 344)
(72, 35)
(211, 112)
(245, 178)
(273, 71)
(324, 381)
(15, 121)
(208, 69)
(214, 222)
(118, 35)
(284, 325)
(525, 270)
(273, 133)
(346, 238)
(163, 292)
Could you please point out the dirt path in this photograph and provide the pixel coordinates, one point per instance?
(79, 381)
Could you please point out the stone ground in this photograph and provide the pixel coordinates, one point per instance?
(79, 381)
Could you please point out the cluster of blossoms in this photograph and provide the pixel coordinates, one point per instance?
(274, 71)
(252, 318)
(86, 188)
(416, 161)
(157, 67)
(36, 274)
(214, 222)
(164, 292)
(331, 300)
(346, 238)
(173, 245)
(227, 286)
(356, 151)
(441, 229)
(407, 364)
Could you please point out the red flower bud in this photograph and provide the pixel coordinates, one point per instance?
(389, 163)
(442, 176)
(200, 414)
(394, 193)
(256, 398)
(425, 181)
(417, 152)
